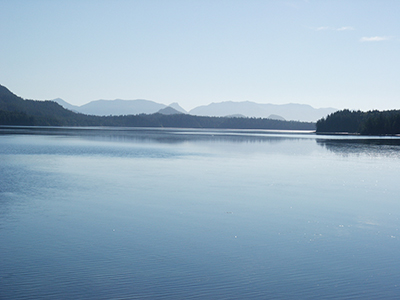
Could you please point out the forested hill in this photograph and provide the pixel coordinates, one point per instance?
(16, 111)
(358, 122)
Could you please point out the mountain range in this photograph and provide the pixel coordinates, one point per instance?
(291, 111)
(119, 107)
(17, 111)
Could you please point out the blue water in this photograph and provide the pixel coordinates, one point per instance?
(197, 214)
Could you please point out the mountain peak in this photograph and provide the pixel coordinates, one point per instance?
(5, 91)
(169, 111)
(177, 107)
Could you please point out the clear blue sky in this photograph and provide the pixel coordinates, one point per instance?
(342, 54)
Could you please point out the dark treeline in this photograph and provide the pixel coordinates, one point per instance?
(365, 123)
(17, 111)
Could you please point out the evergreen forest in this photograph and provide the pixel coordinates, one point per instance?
(357, 122)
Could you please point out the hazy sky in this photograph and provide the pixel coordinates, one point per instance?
(342, 54)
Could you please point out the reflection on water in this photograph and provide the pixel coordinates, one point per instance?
(162, 135)
(364, 145)
(197, 214)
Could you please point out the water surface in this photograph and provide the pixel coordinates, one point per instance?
(192, 214)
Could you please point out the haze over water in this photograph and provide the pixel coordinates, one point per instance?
(193, 214)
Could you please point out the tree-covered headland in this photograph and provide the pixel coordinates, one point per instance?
(357, 122)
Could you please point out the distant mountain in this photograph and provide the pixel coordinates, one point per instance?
(276, 117)
(66, 105)
(176, 106)
(290, 111)
(120, 107)
(169, 111)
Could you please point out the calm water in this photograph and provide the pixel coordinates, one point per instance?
(185, 214)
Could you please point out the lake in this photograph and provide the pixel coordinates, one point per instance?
(103, 213)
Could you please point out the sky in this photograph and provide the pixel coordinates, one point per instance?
(326, 53)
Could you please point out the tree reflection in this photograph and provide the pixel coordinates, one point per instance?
(365, 146)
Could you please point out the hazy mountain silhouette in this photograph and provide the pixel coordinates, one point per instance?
(169, 111)
(290, 111)
(176, 106)
(66, 105)
(276, 117)
(120, 107)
